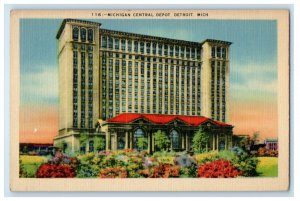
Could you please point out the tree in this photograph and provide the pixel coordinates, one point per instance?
(247, 143)
(142, 142)
(99, 143)
(83, 137)
(161, 140)
(62, 145)
(255, 138)
(200, 141)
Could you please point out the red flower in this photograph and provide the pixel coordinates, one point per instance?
(55, 171)
(218, 169)
(117, 172)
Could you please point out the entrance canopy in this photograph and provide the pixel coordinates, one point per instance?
(164, 119)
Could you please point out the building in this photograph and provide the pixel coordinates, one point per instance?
(36, 149)
(271, 144)
(104, 74)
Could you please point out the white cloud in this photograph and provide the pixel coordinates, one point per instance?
(42, 86)
(254, 78)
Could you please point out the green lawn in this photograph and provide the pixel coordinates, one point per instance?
(267, 166)
(30, 164)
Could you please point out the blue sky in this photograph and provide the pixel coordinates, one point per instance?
(253, 58)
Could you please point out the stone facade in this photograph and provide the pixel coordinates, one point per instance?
(105, 73)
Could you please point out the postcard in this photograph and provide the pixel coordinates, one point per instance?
(149, 100)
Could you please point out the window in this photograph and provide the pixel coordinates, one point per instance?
(140, 140)
(224, 53)
(91, 146)
(83, 34)
(165, 50)
(90, 35)
(117, 44)
(129, 46)
(171, 51)
(193, 53)
(142, 47)
(176, 140)
(123, 45)
(160, 49)
(188, 52)
(75, 33)
(148, 48)
(176, 51)
(121, 141)
(104, 42)
(213, 53)
(136, 46)
(218, 52)
(213, 89)
(110, 43)
(198, 53)
(153, 48)
(182, 52)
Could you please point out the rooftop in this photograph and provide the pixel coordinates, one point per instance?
(164, 119)
(149, 37)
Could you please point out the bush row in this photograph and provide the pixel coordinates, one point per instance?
(133, 164)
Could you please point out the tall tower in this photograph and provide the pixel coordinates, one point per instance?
(78, 45)
(215, 79)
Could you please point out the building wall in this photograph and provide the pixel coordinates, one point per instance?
(124, 72)
(144, 82)
(78, 77)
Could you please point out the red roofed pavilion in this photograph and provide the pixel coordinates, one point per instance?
(124, 130)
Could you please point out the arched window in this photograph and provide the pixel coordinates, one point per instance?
(75, 33)
(140, 140)
(176, 140)
(90, 35)
(83, 34)
(91, 146)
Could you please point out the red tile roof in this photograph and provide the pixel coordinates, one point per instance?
(163, 119)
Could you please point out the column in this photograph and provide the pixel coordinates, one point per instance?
(218, 142)
(153, 142)
(149, 142)
(107, 141)
(131, 140)
(182, 139)
(73, 144)
(226, 141)
(213, 142)
(186, 142)
(126, 140)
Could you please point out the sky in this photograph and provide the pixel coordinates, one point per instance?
(253, 69)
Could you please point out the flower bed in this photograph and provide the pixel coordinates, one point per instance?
(134, 164)
(55, 171)
(218, 169)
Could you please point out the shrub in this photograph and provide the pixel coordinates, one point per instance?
(184, 161)
(218, 169)
(144, 173)
(162, 141)
(89, 165)
(166, 160)
(165, 171)
(205, 157)
(261, 151)
(226, 155)
(55, 171)
(142, 143)
(200, 141)
(247, 164)
(99, 143)
(116, 172)
(149, 162)
(164, 153)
